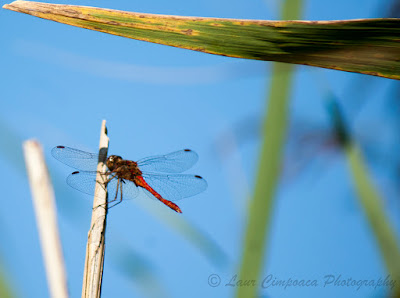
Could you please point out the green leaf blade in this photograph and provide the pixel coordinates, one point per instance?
(368, 46)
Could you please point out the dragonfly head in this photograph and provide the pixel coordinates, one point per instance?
(112, 161)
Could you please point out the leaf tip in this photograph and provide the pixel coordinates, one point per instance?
(14, 5)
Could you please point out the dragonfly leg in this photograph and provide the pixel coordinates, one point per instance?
(120, 193)
(104, 184)
(109, 179)
(116, 193)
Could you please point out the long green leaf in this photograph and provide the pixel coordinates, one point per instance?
(261, 206)
(369, 46)
(191, 233)
(6, 291)
(369, 197)
(375, 212)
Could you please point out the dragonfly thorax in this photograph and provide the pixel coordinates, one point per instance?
(113, 162)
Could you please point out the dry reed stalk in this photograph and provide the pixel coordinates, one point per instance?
(46, 218)
(94, 260)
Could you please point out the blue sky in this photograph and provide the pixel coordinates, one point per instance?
(58, 82)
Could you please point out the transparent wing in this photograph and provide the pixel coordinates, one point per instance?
(85, 182)
(175, 162)
(75, 158)
(175, 187)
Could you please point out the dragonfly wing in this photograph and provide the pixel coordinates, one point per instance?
(175, 187)
(75, 158)
(85, 182)
(175, 162)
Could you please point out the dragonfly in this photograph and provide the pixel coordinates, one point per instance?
(158, 176)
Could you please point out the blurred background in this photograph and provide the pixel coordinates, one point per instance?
(58, 82)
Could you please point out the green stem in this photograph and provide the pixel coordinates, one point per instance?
(262, 203)
(373, 206)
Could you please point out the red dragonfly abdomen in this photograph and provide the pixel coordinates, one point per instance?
(139, 181)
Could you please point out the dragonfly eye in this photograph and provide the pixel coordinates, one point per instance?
(112, 161)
